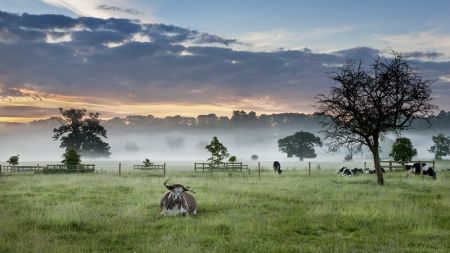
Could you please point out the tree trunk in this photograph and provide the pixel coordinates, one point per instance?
(376, 160)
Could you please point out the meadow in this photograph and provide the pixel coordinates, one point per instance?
(294, 212)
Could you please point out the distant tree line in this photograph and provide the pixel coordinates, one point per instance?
(241, 119)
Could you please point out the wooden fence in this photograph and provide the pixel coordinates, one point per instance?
(61, 168)
(152, 167)
(401, 165)
(229, 167)
(18, 169)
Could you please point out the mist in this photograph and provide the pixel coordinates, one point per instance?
(34, 143)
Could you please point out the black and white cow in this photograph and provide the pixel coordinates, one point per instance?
(369, 171)
(345, 171)
(177, 200)
(356, 171)
(414, 168)
(277, 167)
(373, 171)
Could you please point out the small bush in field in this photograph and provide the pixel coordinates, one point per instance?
(13, 160)
(147, 162)
(71, 157)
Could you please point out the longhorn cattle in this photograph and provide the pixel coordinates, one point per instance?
(277, 167)
(177, 200)
(414, 168)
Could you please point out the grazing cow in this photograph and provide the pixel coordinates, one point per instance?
(277, 167)
(345, 171)
(414, 168)
(373, 171)
(177, 200)
(356, 171)
(369, 171)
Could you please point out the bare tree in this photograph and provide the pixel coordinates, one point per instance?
(365, 106)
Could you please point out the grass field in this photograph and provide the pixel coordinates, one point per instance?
(288, 213)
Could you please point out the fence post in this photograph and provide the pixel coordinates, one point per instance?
(434, 168)
(309, 168)
(164, 170)
(421, 172)
(365, 165)
(0, 170)
(390, 165)
(78, 169)
(120, 168)
(259, 170)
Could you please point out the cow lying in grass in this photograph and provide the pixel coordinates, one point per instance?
(351, 172)
(373, 171)
(177, 200)
(414, 168)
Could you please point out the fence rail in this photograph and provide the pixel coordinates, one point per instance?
(13, 168)
(151, 167)
(395, 165)
(61, 168)
(220, 167)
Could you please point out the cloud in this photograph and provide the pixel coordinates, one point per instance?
(425, 41)
(120, 66)
(11, 93)
(118, 9)
(114, 8)
(445, 79)
(430, 55)
(26, 111)
(276, 39)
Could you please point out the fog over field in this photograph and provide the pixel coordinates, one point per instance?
(135, 140)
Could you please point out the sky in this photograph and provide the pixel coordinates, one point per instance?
(166, 57)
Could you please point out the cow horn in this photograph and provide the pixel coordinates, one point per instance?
(169, 187)
(189, 189)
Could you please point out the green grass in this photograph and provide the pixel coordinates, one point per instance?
(288, 213)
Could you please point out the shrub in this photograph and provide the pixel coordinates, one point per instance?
(71, 157)
(13, 160)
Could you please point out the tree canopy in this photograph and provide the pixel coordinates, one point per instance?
(232, 159)
(300, 145)
(82, 133)
(71, 157)
(13, 160)
(403, 150)
(217, 150)
(441, 146)
(369, 102)
(147, 162)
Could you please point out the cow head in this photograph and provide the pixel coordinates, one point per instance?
(177, 190)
